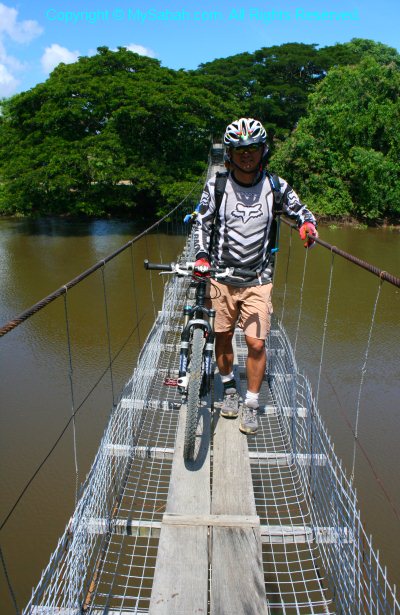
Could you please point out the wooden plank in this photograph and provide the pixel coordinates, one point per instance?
(237, 579)
(212, 520)
(180, 583)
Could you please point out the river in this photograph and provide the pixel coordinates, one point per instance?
(36, 257)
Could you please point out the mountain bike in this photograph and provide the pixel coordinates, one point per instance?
(197, 342)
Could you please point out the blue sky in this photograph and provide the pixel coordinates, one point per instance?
(36, 36)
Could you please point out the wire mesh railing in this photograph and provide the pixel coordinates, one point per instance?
(357, 580)
(317, 557)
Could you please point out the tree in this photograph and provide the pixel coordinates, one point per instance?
(115, 131)
(343, 156)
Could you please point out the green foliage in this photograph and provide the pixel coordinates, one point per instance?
(343, 156)
(114, 132)
(119, 133)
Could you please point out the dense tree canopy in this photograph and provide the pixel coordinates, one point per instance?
(344, 155)
(68, 143)
(119, 133)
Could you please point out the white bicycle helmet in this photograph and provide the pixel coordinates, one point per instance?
(244, 131)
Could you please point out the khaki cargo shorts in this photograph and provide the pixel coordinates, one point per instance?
(249, 308)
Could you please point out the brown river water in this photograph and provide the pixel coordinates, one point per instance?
(35, 394)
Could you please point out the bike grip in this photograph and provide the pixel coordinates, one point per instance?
(246, 273)
(157, 266)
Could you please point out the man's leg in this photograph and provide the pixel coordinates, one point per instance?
(224, 357)
(255, 364)
(224, 352)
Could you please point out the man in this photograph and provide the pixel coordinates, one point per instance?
(242, 233)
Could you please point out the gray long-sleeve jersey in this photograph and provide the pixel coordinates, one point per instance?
(242, 230)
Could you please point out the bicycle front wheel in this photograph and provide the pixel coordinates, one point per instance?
(193, 398)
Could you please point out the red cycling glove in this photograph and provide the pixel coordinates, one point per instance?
(307, 232)
(201, 268)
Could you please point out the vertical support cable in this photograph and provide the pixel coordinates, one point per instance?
(363, 372)
(135, 297)
(328, 299)
(160, 256)
(71, 386)
(108, 333)
(151, 281)
(287, 273)
(8, 581)
(301, 301)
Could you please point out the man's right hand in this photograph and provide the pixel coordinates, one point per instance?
(202, 268)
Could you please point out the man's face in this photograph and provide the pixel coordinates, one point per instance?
(247, 158)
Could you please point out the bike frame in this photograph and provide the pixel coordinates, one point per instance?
(197, 316)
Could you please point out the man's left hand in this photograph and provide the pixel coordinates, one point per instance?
(307, 232)
(202, 268)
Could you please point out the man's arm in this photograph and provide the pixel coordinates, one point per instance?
(204, 221)
(293, 207)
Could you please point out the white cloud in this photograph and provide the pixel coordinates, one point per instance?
(22, 32)
(55, 54)
(18, 31)
(8, 83)
(142, 51)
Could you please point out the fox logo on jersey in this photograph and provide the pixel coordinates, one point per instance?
(247, 213)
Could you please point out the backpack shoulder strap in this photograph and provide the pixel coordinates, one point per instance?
(219, 188)
(278, 196)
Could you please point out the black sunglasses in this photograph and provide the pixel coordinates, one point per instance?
(247, 148)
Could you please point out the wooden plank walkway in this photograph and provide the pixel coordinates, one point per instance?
(181, 576)
(200, 532)
(237, 580)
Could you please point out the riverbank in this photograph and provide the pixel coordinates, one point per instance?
(330, 221)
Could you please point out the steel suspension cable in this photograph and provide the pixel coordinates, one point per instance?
(384, 275)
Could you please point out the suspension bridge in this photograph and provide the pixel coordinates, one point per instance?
(267, 524)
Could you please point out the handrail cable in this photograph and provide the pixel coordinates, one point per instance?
(384, 275)
(12, 324)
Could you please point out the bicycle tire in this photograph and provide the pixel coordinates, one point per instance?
(193, 397)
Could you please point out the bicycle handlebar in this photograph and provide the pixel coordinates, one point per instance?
(188, 268)
(158, 266)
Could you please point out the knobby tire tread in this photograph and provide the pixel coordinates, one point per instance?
(193, 398)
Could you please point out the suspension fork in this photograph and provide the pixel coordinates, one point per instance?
(194, 316)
